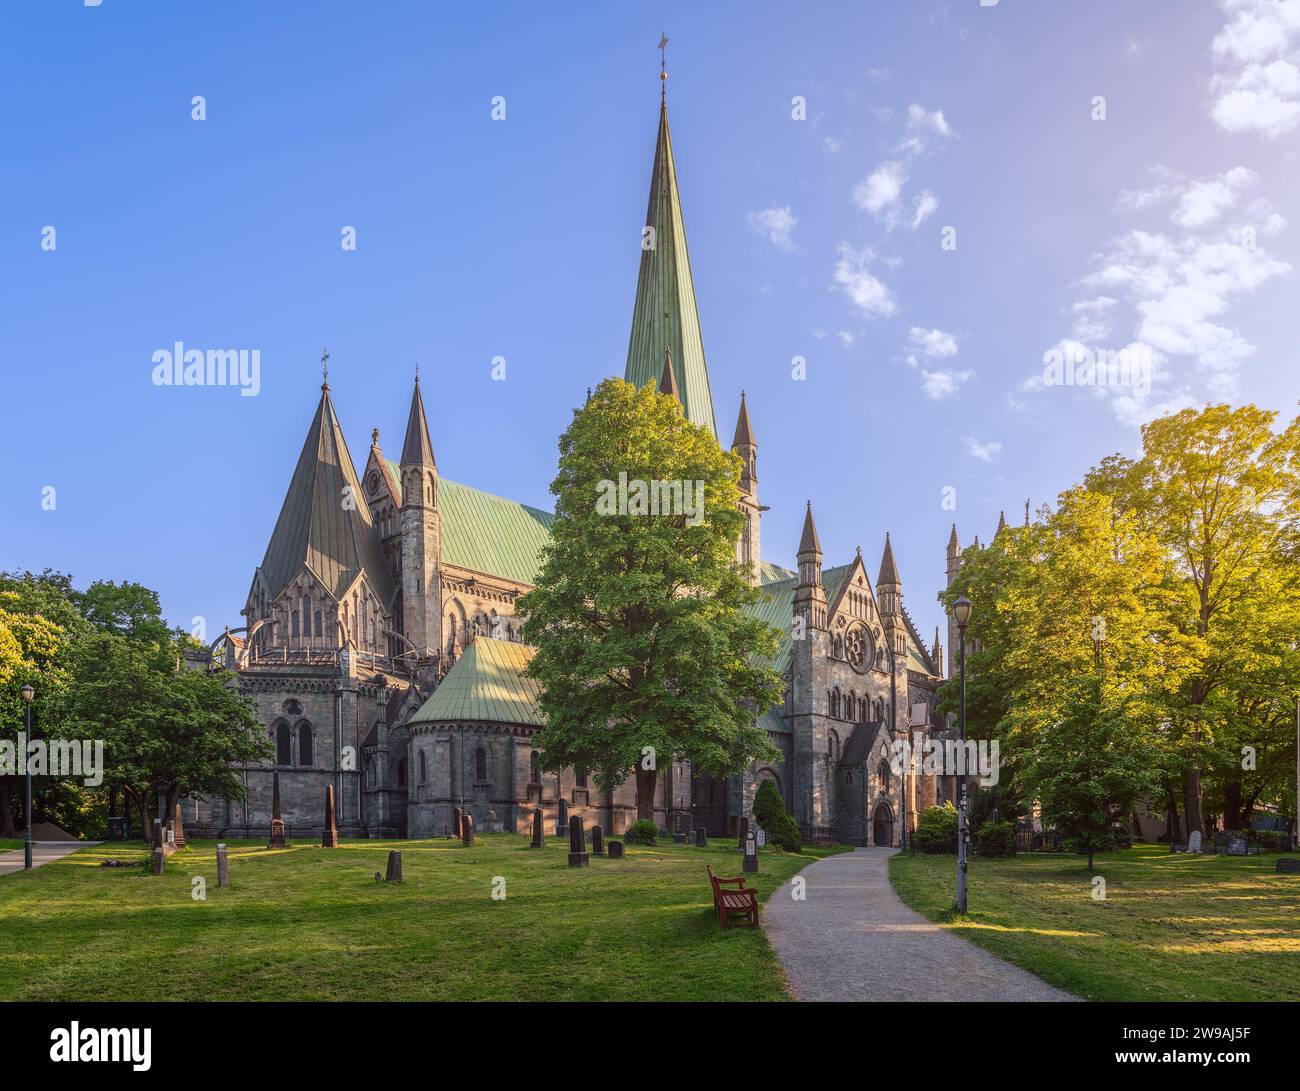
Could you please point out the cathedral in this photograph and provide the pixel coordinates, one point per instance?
(383, 654)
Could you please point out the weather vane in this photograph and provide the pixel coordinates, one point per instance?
(663, 65)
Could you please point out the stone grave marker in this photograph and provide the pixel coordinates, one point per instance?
(597, 840)
(456, 815)
(178, 827)
(577, 844)
(1194, 841)
(329, 837)
(562, 820)
(490, 821)
(701, 838)
(539, 834)
(616, 850)
(750, 862)
(1288, 865)
(223, 866)
(159, 860)
(467, 830)
(762, 837)
(394, 867)
(1237, 846)
(277, 822)
(744, 834)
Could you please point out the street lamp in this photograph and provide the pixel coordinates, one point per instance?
(28, 693)
(961, 610)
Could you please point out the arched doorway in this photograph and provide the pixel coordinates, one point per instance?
(882, 826)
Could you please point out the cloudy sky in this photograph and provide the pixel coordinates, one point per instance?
(998, 236)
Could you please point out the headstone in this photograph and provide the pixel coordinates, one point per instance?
(577, 844)
(178, 838)
(597, 840)
(394, 867)
(1237, 846)
(159, 860)
(1194, 841)
(744, 834)
(750, 862)
(1287, 844)
(456, 815)
(277, 823)
(223, 866)
(762, 837)
(616, 850)
(562, 820)
(539, 835)
(467, 829)
(329, 837)
(1288, 865)
(490, 821)
(701, 838)
(117, 828)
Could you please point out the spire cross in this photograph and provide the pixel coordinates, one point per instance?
(663, 67)
(325, 367)
(417, 373)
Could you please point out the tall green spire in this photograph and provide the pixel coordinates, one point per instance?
(665, 318)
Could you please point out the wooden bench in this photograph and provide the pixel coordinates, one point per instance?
(739, 900)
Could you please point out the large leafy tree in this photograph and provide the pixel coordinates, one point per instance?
(645, 651)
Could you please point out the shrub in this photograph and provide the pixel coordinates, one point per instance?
(779, 825)
(996, 839)
(936, 830)
(642, 832)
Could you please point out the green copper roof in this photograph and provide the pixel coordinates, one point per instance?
(487, 684)
(317, 527)
(664, 317)
(490, 534)
(771, 721)
(776, 607)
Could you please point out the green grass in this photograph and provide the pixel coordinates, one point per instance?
(9, 843)
(308, 923)
(1170, 928)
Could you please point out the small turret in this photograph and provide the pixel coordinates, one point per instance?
(809, 594)
(748, 554)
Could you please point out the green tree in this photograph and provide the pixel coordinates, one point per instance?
(645, 651)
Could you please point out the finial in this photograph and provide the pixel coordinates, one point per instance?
(325, 369)
(417, 372)
(859, 553)
(663, 68)
(1026, 513)
(374, 437)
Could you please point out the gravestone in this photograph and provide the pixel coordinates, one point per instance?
(744, 834)
(750, 862)
(329, 837)
(539, 835)
(160, 838)
(1237, 846)
(159, 861)
(178, 837)
(577, 844)
(467, 830)
(597, 840)
(616, 850)
(1194, 841)
(117, 828)
(1287, 865)
(762, 837)
(680, 835)
(277, 823)
(223, 867)
(562, 820)
(701, 838)
(490, 821)
(394, 867)
(1287, 844)
(456, 815)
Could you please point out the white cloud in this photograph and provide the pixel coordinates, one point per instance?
(1204, 201)
(942, 382)
(776, 224)
(932, 343)
(920, 119)
(881, 189)
(847, 338)
(853, 276)
(985, 452)
(1092, 318)
(830, 144)
(1256, 87)
(923, 207)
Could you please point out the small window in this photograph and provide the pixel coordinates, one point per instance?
(534, 768)
(305, 755)
(401, 773)
(422, 767)
(480, 764)
(293, 623)
(283, 745)
(580, 779)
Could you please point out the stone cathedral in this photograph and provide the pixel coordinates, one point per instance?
(382, 650)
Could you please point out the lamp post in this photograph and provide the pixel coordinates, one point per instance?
(28, 693)
(961, 614)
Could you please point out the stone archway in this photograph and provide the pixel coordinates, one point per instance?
(882, 826)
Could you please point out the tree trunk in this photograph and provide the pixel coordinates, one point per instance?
(1192, 797)
(1232, 805)
(646, 779)
(6, 818)
(1089, 858)
(1172, 827)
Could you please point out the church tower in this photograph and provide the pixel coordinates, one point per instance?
(889, 591)
(664, 315)
(953, 567)
(748, 554)
(421, 534)
(809, 594)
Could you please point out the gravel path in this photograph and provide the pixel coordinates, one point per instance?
(42, 853)
(854, 939)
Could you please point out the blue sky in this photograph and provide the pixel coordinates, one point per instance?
(1167, 225)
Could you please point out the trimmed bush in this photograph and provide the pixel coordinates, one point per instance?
(779, 825)
(643, 832)
(936, 830)
(996, 839)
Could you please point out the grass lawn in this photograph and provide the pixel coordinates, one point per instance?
(308, 923)
(1170, 928)
(9, 843)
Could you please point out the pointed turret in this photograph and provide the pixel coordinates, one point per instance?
(421, 524)
(809, 594)
(748, 553)
(664, 314)
(809, 543)
(888, 569)
(416, 449)
(936, 653)
(744, 430)
(1002, 523)
(668, 380)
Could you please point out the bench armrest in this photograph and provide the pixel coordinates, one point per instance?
(739, 882)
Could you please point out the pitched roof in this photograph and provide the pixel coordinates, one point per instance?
(888, 570)
(776, 607)
(808, 541)
(336, 540)
(664, 315)
(486, 684)
(490, 534)
(417, 449)
(744, 436)
(668, 380)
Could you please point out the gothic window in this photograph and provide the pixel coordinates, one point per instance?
(283, 744)
(305, 756)
(835, 701)
(534, 768)
(833, 746)
(858, 648)
(480, 764)
(850, 713)
(882, 776)
(422, 767)
(306, 615)
(294, 623)
(839, 648)
(292, 707)
(580, 779)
